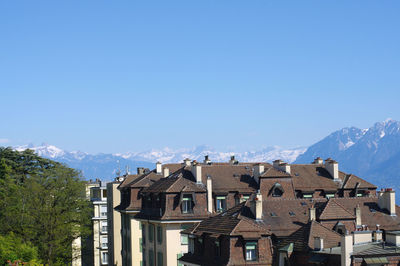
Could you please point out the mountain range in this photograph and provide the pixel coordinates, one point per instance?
(373, 154)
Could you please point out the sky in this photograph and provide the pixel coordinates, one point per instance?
(117, 76)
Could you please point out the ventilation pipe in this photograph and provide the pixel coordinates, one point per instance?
(166, 172)
(209, 195)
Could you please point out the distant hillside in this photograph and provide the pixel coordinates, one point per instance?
(372, 153)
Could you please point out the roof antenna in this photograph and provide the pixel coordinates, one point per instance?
(127, 169)
(118, 173)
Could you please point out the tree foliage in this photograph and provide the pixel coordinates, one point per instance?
(43, 203)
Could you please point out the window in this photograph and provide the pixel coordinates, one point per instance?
(151, 233)
(221, 203)
(273, 214)
(151, 257)
(160, 259)
(217, 248)
(103, 210)
(104, 193)
(292, 213)
(104, 257)
(184, 238)
(191, 245)
(141, 244)
(178, 256)
(244, 198)
(307, 195)
(144, 233)
(329, 195)
(103, 225)
(159, 234)
(104, 242)
(251, 248)
(187, 204)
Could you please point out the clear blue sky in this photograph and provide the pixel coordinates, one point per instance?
(116, 76)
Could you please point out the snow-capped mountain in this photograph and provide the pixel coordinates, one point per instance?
(168, 155)
(372, 153)
(106, 166)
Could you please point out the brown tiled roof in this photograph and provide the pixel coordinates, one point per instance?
(351, 181)
(181, 180)
(151, 177)
(235, 221)
(286, 216)
(128, 179)
(309, 177)
(371, 214)
(230, 177)
(334, 210)
(330, 237)
(273, 172)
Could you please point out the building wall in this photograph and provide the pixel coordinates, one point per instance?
(114, 225)
(135, 237)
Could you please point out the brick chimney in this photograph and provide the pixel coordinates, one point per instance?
(166, 172)
(387, 200)
(281, 165)
(333, 168)
(209, 195)
(196, 171)
(346, 248)
(357, 212)
(258, 207)
(186, 162)
(158, 167)
(233, 160)
(207, 159)
(258, 170)
(318, 160)
(312, 214)
(140, 170)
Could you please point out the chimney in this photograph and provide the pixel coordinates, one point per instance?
(140, 170)
(333, 168)
(209, 195)
(207, 160)
(196, 171)
(166, 171)
(281, 165)
(387, 200)
(258, 203)
(158, 167)
(233, 160)
(318, 160)
(312, 214)
(186, 162)
(377, 234)
(285, 167)
(357, 212)
(346, 246)
(258, 170)
(318, 243)
(276, 163)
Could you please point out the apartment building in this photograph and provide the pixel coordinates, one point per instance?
(157, 205)
(98, 197)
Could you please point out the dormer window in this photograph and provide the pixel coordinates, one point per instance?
(187, 203)
(220, 203)
(277, 190)
(251, 251)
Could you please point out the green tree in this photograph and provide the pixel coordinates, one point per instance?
(12, 249)
(44, 204)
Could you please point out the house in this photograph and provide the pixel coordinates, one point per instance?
(157, 205)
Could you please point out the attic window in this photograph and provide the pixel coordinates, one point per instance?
(277, 190)
(187, 203)
(273, 214)
(296, 174)
(303, 203)
(307, 195)
(372, 210)
(329, 195)
(292, 213)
